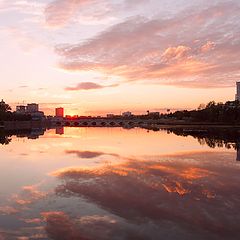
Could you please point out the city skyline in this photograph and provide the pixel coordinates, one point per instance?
(97, 57)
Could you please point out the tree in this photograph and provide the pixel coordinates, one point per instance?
(4, 108)
(211, 104)
(5, 111)
(201, 106)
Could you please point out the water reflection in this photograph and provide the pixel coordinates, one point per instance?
(213, 137)
(60, 130)
(89, 183)
(188, 191)
(35, 133)
(4, 140)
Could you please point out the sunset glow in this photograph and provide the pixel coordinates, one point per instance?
(95, 57)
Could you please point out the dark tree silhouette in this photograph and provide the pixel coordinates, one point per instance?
(4, 108)
(228, 112)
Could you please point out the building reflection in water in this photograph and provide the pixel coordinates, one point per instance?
(238, 154)
(59, 130)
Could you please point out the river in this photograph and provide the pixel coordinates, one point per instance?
(115, 183)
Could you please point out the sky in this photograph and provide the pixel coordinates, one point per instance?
(94, 57)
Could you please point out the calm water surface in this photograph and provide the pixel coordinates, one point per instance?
(113, 183)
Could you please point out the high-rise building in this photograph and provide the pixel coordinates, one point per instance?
(238, 91)
(59, 112)
(32, 108)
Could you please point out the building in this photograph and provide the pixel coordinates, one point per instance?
(127, 114)
(154, 114)
(59, 112)
(238, 91)
(32, 108)
(110, 115)
(21, 109)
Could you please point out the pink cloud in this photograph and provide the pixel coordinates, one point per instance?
(165, 51)
(85, 154)
(208, 46)
(89, 154)
(88, 86)
(61, 12)
(8, 210)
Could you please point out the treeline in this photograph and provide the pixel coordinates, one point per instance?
(228, 112)
(7, 115)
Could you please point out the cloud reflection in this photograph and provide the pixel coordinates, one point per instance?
(88, 154)
(202, 184)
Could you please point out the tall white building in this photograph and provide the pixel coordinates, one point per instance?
(238, 91)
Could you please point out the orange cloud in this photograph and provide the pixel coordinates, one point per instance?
(176, 187)
(176, 53)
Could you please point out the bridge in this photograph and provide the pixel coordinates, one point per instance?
(100, 122)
